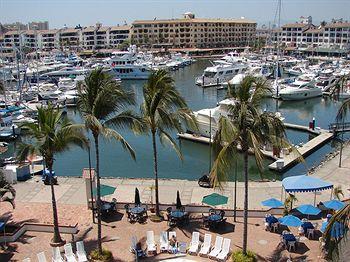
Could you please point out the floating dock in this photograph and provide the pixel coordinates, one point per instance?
(288, 160)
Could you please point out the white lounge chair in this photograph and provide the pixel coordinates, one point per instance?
(194, 245)
(163, 241)
(206, 245)
(81, 254)
(217, 247)
(151, 245)
(68, 253)
(56, 255)
(171, 234)
(225, 250)
(41, 257)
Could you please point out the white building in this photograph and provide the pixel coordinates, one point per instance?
(49, 39)
(71, 38)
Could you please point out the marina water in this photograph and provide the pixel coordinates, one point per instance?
(115, 162)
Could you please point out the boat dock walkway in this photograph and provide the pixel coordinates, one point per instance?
(288, 160)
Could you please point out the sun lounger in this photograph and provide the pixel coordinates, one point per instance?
(81, 254)
(68, 253)
(56, 255)
(163, 241)
(206, 245)
(225, 250)
(151, 245)
(41, 257)
(194, 245)
(217, 247)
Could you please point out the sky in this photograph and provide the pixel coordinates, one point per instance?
(113, 12)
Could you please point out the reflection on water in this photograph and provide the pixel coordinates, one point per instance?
(117, 163)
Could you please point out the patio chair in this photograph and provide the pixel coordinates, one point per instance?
(151, 245)
(274, 227)
(291, 245)
(206, 245)
(56, 255)
(136, 249)
(163, 241)
(168, 210)
(68, 253)
(217, 247)
(41, 257)
(310, 233)
(194, 245)
(222, 256)
(81, 254)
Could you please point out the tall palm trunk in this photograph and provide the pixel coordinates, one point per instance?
(98, 196)
(245, 213)
(56, 233)
(155, 171)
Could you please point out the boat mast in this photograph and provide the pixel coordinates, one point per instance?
(278, 51)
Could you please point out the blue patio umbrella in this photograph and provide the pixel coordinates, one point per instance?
(308, 210)
(337, 230)
(272, 202)
(290, 220)
(334, 204)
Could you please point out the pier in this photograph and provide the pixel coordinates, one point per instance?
(288, 159)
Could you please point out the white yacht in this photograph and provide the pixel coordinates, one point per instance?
(326, 80)
(211, 116)
(68, 71)
(125, 65)
(302, 88)
(220, 73)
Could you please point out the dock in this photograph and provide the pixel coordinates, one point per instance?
(304, 150)
(322, 136)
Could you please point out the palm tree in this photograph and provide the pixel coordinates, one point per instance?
(163, 110)
(333, 245)
(102, 103)
(6, 189)
(338, 191)
(245, 127)
(53, 134)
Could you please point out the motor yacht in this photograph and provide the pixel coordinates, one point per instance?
(326, 80)
(302, 88)
(220, 73)
(211, 116)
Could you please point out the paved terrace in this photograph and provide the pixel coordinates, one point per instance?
(71, 190)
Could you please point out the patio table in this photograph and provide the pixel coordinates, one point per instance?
(177, 214)
(137, 210)
(289, 237)
(271, 220)
(307, 225)
(214, 217)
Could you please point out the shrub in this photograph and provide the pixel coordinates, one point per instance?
(239, 257)
(105, 256)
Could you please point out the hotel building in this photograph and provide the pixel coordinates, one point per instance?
(191, 32)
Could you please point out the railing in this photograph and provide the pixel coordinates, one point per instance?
(339, 127)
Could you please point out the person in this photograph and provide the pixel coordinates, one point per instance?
(173, 244)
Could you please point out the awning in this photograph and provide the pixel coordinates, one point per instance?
(304, 184)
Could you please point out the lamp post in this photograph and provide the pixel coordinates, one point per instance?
(92, 197)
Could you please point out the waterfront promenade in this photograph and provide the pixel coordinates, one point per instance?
(71, 190)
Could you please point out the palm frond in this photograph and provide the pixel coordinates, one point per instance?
(113, 134)
(165, 138)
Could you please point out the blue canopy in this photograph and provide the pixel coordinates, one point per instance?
(272, 202)
(337, 230)
(308, 210)
(290, 220)
(304, 184)
(334, 204)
